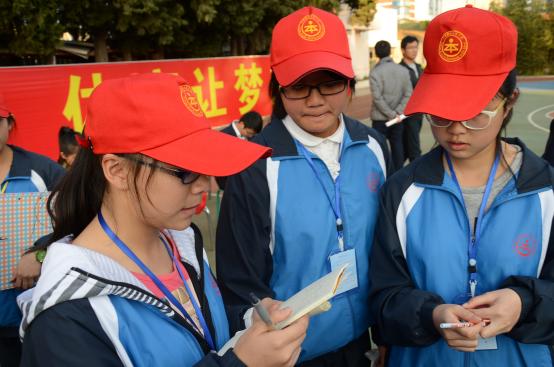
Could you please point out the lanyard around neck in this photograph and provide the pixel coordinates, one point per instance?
(159, 283)
(4, 188)
(335, 204)
(474, 241)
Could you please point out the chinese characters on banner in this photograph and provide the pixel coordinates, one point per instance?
(44, 98)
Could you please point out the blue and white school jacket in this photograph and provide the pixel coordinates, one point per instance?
(29, 172)
(87, 310)
(276, 230)
(420, 260)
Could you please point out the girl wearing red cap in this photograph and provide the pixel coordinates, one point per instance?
(287, 221)
(115, 289)
(466, 230)
(20, 171)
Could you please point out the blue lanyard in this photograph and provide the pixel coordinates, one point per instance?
(158, 283)
(335, 205)
(474, 242)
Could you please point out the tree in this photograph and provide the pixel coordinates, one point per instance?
(159, 19)
(94, 18)
(31, 26)
(535, 44)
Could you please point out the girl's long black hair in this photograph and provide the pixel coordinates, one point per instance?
(77, 198)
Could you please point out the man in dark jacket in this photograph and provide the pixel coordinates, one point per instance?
(412, 124)
(249, 125)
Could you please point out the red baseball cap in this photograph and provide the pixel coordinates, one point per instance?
(4, 111)
(309, 39)
(158, 115)
(469, 54)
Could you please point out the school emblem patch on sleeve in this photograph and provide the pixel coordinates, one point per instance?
(190, 100)
(524, 246)
(311, 28)
(453, 46)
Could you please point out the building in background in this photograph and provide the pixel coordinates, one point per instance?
(394, 20)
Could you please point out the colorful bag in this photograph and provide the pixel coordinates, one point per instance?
(24, 220)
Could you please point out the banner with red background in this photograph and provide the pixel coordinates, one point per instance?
(44, 98)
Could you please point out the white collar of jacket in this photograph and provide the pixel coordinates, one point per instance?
(237, 131)
(276, 136)
(307, 139)
(72, 272)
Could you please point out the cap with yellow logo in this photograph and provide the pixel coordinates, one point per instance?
(469, 54)
(159, 115)
(307, 40)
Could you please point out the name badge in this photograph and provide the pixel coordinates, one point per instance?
(338, 260)
(487, 344)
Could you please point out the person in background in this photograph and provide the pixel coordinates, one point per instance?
(68, 146)
(286, 221)
(20, 171)
(391, 89)
(249, 125)
(412, 124)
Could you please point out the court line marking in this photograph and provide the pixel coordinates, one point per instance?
(530, 118)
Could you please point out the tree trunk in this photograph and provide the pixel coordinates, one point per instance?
(160, 51)
(127, 52)
(51, 58)
(234, 46)
(251, 49)
(100, 45)
(240, 41)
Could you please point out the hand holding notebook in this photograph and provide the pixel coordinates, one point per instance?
(313, 300)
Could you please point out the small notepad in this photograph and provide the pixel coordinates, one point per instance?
(313, 300)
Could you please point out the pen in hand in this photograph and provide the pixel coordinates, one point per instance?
(262, 312)
(463, 324)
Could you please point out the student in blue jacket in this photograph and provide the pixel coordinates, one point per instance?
(20, 171)
(466, 230)
(287, 221)
(125, 281)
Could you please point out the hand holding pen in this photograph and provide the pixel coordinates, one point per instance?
(451, 325)
(261, 348)
(464, 339)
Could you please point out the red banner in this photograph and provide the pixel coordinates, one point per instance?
(44, 98)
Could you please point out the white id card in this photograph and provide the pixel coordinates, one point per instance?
(338, 260)
(487, 344)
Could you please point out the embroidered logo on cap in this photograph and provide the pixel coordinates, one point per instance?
(453, 46)
(189, 99)
(524, 246)
(311, 28)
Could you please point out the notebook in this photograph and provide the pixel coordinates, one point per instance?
(24, 220)
(313, 300)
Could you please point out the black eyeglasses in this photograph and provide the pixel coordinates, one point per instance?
(304, 91)
(187, 177)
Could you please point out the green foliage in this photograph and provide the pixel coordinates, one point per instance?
(535, 25)
(30, 26)
(183, 28)
(364, 12)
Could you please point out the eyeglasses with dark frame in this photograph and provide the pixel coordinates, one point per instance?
(187, 177)
(325, 89)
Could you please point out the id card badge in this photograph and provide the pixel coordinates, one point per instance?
(338, 259)
(484, 344)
